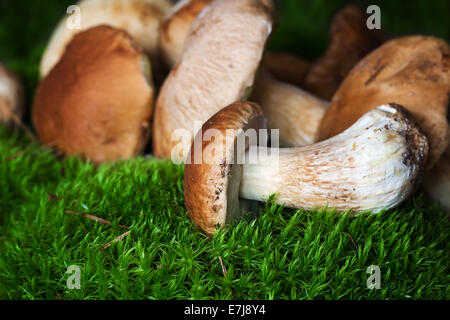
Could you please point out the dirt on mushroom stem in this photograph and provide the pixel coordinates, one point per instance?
(374, 165)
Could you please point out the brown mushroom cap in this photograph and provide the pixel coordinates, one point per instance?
(141, 18)
(11, 95)
(211, 188)
(412, 71)
(175, 28)
(97, 101)
(218, 65)
(351, 40)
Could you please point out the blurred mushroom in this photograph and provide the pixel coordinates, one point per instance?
(175, 28)
(287, 67)
(412, 71)
(141, 18)
(437, 181)
(351, 40)
(292, 110)
(374, 165)
(97, 101)
(11, 96)
(218, 65)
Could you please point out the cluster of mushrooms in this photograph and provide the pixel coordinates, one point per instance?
(359, 128)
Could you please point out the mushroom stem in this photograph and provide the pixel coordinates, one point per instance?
(373, 165)
(294, 111)
(11, 96)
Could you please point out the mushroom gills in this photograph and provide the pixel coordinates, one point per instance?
(237, 207)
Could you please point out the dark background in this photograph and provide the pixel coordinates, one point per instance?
(302, 27)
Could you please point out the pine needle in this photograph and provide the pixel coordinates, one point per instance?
(95, 218)
(119, 238)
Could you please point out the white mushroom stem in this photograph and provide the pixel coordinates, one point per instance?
(373, 165)
(294, 111)
(11, 96)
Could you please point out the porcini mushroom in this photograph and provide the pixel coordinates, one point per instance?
(97, 101)
(412, 71)
(140, 18)
(286, 67)
(11, 95)
(175, 28)
(373, 165)
(351, 40)
(218, 65)
(294, 111)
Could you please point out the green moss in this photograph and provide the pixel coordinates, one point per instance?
(281, 254)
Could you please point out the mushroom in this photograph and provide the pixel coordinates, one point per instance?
(97, 101)
(373, 165)
(412, 71)
(437, 182)
(218, 65)
(351, 40)
(294, 111)
(286, 67)
(175, 28)
(11, 96)
(141, 18)
(297, 112)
